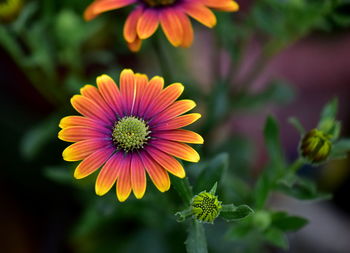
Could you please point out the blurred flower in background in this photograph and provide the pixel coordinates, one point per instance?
(144, 20)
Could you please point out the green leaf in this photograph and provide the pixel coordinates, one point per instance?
(35, 140)
(277, 92)
(327, 118)
(340, 19)
(213, 189)
(196, 241)
(286, 223)
(218, 103)
(59, 174)
(298, 126)
(262, 190)
(340, 149)
(24, 16)
(234, 213)
(212, 173)
(303, 189)
(183, 188)
(274, 148)
(276, 237)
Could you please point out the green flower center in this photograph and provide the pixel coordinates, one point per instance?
(154, 3)
(130, 133)
(206, 207)
(316, 146)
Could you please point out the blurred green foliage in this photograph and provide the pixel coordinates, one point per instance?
(58, 52)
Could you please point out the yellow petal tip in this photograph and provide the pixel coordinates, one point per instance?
(100, 192)
(77, 175)
(86, 86)
(139, 196)
(122, 198)
(127, 71)
(103, 77)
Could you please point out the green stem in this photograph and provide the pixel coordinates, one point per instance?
(256, 71)
(243, 46)
(182, 216)
(196, 240)
(183, 188)
(296, 165)
(163, 61)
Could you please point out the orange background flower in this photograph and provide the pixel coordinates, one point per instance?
(171, 15)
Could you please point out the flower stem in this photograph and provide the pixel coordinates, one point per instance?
(163, 61)
(296, 165)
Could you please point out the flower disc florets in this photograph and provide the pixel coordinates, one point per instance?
(316, 146)
(154, 3)
(206, 207)
(130, 133)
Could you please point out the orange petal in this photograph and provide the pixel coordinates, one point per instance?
(187, 29)
(141, 84)
(135, 46)
(129, 31)
(180, 135)
(124, 180)
(110, 92)
(93, 162)
(82, 149)
(164, 99)
(92, 92)
(178, 122)
(79, 133)
(100, 6)
(158, 175)
(127, 90)
(152, 90)
(70, 121)
(174, 110)
(180, 150)
(89, 108)
(172, 26)
(147, 24)
(109, 174)
(138, 176)
(166, 161)
(200, 13)
(222, 5)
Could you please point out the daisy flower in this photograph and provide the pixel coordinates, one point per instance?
(171, 15)
(130, 131)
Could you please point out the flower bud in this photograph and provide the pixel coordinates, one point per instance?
(316, 146)
(205, 207)
(9, 10)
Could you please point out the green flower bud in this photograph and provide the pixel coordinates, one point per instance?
(262, 220)
(205, 207)
(316, 146)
